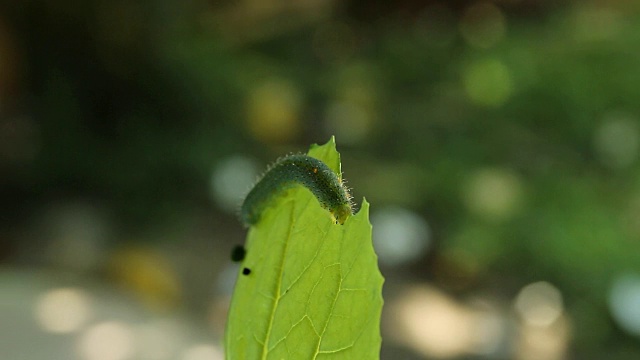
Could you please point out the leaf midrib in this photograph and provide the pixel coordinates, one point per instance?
(265, 344)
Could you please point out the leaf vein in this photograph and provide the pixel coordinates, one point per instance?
(265, 349)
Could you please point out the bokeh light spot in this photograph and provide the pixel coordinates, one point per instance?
(624, 302)
(203, 352)
(431, 323)
(399, 235)
(111, 340)
(488, 82)
(549, 342)
(274, 111)
(63, 310)
(488, 334)
(539, 304)
(483, 25)
(597, 21)
(617, 141)
(148, 274)
(493, 194)
(159, 340)
(231, 180)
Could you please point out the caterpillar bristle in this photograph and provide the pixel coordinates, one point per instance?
(298, 169)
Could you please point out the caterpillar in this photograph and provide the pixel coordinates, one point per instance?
(293, 170)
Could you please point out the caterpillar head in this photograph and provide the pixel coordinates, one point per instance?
(341, 213)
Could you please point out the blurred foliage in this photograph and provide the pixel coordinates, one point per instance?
(132, 103)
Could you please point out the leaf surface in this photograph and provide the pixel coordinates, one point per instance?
(314, 290)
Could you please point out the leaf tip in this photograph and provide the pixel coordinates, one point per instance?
(328, 153)
(330, 144)
(363, 212)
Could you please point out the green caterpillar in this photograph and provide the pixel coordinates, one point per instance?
(295, 170)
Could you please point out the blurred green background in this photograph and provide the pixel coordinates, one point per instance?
(497, 142)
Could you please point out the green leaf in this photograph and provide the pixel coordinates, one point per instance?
(314, 290)
(328, 154)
